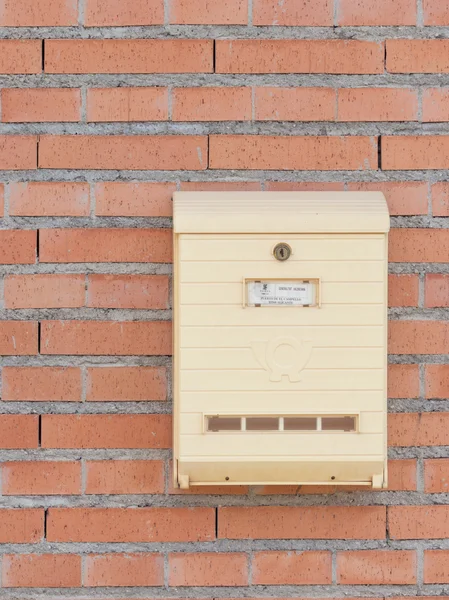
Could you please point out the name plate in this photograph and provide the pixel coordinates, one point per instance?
(266, 292)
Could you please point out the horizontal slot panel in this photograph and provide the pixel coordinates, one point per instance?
(281, 424)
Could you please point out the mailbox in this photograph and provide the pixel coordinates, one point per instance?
(280, 323)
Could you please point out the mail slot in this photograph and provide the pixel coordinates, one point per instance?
(280, 321)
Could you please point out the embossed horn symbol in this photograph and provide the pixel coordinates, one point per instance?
(283, 356)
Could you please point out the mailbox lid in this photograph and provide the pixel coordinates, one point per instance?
(280, 212)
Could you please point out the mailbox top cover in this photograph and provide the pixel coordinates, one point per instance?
(280, 212)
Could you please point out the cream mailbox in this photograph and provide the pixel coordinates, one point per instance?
(280, 338)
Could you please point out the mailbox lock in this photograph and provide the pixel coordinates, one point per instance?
(282, 251)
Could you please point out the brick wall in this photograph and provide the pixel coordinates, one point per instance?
(109, 106)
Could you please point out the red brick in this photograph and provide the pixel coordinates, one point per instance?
(208, 569)
(18, 246)
(131, 152)
(418, 337)
(436, 12)
(20, 56)
(18, 151)
(376, 567)
(272, 522)
(44, 291)
(212, 104)
(385, 12)
(104, 338)
(209, 12)
(45, 199)
(118, 13)
(301, 153)
(119, 384)
(403, 197)
(128, 291)
(124, 477)
(43, 384)
(41, 570)
(42, 478)
(436, 566)
(304, 186)
(38, 13)
(436, 475)
(294, 104)
(435, 106)
(403, 290)
(436, 290)
(129, 56)
(299, 56)
(379, 104)
(403, 381)
(140, 199)
(220, 186)
(437, 381)
(440, 199)
(417, 56)
(105, 245)
(292, 568)
(18, 338)
(402, 475)
(127, 104)
(19, 431)
(21, 526)
(418, 522)
(419, 245)
(418, 429)
(39, 105)
(119, 570)
(131, 524)
(312, 13)
(106, 431)
(411, 152)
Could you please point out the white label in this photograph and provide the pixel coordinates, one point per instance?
(281, 293)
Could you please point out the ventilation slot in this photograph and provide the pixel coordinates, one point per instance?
(339, 423)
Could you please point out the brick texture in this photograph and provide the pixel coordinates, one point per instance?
(34, 105)
(41, 199)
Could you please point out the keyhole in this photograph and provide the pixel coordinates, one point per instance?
(282, 251)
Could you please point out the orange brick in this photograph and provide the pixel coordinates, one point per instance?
(105, 245)
(140, 199)
(38, 13)
(326, 522)
(127, 104)
(440, 199)
(36, 105)
(436, 475)
(418, 429)
(128, 291)
(299, 56)
(42, 478)
(417, 56)
(18, 338)
(131, 524)
(402, 475)
(209, 12)
(106, 338)
(43, 199)
(436, 12)
(436, 566)
(43, 384)
(19, 431)
(119, 570)
(403, 381)
(403, 290)
(304, 186)
(418, 337)
(294, 104)
(410, 152)
(129, 56)
(435, 106)
(220, 186)
(124, 477)
(20, 56)
(403, 197)
(419, 245)
(380, 104)
(41, 570)
(212, 104)
(106, 431)
(120, 384)
(437, 381)
(44, 291)
(418, 522)
(18, 151)
(21, 526)
(208, 569)
(292, 568)
(118, 13)
(312, 13)
(302, 153)
(376, 567)
(18, 247)
(385, 12)
(436, 290)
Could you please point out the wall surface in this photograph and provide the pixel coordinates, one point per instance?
(109, 106)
